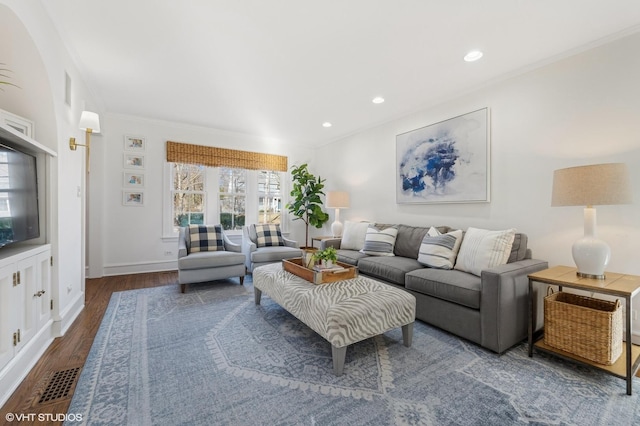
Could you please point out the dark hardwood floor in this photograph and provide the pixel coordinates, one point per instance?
(71, 350)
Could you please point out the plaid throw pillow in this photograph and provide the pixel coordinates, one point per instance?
(206, 238)
(268, 235)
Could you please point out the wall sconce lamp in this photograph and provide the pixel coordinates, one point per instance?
(597, 184)
(337, 200)
(90, 123)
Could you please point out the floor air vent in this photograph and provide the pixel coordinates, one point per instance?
(61, 385)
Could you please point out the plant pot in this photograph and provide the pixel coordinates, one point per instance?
(327, 263)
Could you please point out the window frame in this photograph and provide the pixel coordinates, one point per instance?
(212, 199)
(203, 192)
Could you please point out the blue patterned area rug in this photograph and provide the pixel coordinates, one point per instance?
(212, 357)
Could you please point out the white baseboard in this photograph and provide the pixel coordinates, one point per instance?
(62, 323)
(140, 267)
(14, 373)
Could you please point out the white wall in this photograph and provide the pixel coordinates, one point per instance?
(126, 239)
(581, 110)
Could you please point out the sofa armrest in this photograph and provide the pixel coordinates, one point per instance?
(230, 245)
(290, 243)
(330, 242)
(182, 244)
(504, 303)
(248, 246)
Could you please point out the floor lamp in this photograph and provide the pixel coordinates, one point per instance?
(337, 200)
(597, 184)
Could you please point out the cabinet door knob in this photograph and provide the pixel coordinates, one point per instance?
(39, 294)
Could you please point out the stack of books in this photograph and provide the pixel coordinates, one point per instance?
(332, 268)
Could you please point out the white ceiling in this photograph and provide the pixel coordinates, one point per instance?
(280, 68)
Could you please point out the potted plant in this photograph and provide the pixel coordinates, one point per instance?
(328, 257)
(307, 204)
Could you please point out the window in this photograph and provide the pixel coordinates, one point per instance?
(269, 197)
(231, 197)
(232, 189)
(188, 194)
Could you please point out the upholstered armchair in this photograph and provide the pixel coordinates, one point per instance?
(264, 244)
(205, 254)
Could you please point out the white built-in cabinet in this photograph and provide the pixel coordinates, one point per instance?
(25, 298)
(27, 284)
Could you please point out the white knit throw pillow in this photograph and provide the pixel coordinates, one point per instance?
(484, 249)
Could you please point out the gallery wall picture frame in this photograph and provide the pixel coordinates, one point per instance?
(133, 198)
(445, 162)
(135, 143)
(133, 161)
(133, 180)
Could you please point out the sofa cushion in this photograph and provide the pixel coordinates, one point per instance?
(482, 249)
(519, 248)
(451, 285)
(352, 257)
(205, 238)
(440, 250)
(409, 240)
(380, 242)
(354, 235)
(274, 254)
(388, 268)
(210, 259)
(268, 235)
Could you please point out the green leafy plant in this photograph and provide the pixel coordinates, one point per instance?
(330, 254)
(307, 204)
(3, 75)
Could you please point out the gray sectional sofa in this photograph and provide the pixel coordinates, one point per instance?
(490, 310)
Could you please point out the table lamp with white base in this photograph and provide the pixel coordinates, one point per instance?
(596, 184)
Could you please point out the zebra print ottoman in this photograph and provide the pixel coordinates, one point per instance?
(342, 312)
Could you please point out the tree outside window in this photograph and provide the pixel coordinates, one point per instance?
(269, 197)
(233, 189)
(188, 193)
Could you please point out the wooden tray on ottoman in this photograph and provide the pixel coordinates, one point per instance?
(295, 266)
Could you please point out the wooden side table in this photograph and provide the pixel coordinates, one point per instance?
(618, 285)
(320, 239)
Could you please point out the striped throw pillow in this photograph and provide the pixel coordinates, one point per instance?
(440, 250)
(379, 243)
(483, 249)
(269, 235)
(205, 238)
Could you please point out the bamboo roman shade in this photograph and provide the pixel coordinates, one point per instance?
(221, 157)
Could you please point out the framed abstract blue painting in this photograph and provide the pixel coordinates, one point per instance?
(445, 162)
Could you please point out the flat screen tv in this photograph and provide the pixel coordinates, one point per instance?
(19, 217)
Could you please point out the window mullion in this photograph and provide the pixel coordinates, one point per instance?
(213, 192)
(251, 199)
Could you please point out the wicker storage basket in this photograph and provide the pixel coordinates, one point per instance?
(584, 326)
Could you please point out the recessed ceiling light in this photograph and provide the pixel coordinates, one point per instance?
(378, 100)
(326, 124)
(474, 55)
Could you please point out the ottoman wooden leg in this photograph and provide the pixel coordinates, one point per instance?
(338, 355)
(407, 334)
(257, 294)
(242, 280)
